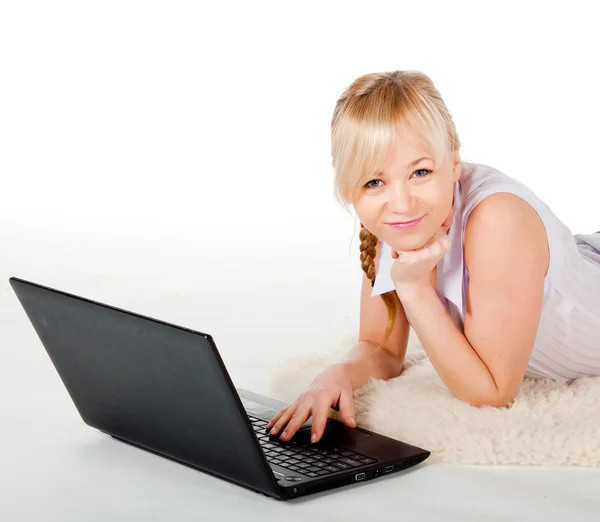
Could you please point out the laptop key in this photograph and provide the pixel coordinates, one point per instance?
(353, 463)
(342, 465)
(313, 468)
(368, 460)
(331, 468)
(311, 474)
(303, 465)
(287, 455)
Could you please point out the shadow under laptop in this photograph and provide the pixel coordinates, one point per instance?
(113, 455)
(140, 466)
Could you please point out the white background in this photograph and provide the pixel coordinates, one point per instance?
(172, 158)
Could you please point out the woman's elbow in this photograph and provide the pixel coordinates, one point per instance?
(499, 400)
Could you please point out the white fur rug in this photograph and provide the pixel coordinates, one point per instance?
(548, 424)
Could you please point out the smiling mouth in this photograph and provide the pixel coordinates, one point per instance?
(405, 222)
(406, 225)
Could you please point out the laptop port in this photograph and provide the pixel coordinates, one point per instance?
(389, 468)
(359, 476)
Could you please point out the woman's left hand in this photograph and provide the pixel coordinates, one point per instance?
(412, 268)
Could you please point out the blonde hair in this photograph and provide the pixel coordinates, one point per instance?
(365, 121)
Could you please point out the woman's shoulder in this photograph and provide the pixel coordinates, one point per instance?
(495, 193)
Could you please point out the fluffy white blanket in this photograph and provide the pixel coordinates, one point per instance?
(548, 424)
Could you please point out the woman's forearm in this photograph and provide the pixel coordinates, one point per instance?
(365, 361)
(451, 354)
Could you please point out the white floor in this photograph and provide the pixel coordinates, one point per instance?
(262, 304)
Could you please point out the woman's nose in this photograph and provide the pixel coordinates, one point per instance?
(399, 200)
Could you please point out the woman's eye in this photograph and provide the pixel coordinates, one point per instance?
(368, 183)
(427, 171)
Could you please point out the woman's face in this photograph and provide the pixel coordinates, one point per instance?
(405, 190)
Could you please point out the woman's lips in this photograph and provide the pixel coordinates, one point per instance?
(405, 226)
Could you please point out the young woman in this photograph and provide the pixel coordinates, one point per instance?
(494, 285)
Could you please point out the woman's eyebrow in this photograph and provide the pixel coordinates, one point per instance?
(415, 162)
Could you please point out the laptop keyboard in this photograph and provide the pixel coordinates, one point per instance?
(307, 459)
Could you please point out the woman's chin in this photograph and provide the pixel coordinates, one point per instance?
(410, 242)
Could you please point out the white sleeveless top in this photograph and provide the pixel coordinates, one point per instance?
(567, 343)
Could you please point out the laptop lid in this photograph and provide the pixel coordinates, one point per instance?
(147, 382)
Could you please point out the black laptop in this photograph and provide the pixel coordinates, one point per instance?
(164, 388)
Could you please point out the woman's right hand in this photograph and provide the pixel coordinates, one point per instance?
(331, 388)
